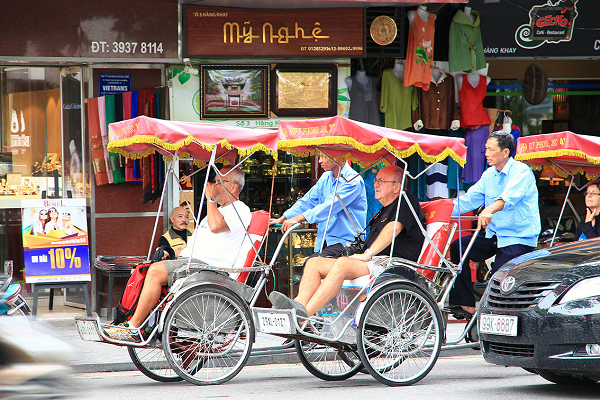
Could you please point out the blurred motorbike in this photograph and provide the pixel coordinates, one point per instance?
(32, 359)
(11, 301)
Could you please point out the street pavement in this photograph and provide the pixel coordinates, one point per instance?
(89, 356)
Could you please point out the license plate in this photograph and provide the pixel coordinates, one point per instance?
(505, 325)
(274, 322)
(88, 330)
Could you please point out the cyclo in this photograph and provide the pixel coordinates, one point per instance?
(205, 326)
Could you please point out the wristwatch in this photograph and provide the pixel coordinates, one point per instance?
(212, 200)
(370, 252)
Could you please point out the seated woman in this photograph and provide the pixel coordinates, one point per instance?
(590, 228)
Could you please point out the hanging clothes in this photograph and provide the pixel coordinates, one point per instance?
(397, 101)
(104, 132)
(454, 170)
(127, 115)
(475, 139)
(465, 53)
(472, 112)
(419, 54)
(437, 106)
(363, 101)
(437, 180)
(115, 162)
(100, 175)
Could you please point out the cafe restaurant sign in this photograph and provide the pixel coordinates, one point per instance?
(212, 32)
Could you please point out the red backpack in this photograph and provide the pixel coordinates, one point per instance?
(133, 288)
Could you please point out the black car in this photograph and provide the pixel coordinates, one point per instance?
(541, 312)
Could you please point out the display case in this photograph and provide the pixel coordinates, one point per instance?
(293, 178)
(299, 245)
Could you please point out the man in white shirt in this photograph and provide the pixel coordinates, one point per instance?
(216, 241)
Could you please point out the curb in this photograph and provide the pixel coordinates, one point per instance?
(259, 359)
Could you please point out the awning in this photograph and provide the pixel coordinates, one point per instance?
(141, 136)
(572, 152)
(365, 143)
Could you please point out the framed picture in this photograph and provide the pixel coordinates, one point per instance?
(234, 91)
(304, 90)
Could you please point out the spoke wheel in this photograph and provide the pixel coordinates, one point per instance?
(151, 361)
(208, 335)
(400, 335)
(326, 362)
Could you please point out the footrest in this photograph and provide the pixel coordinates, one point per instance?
(284, 323)
(91, 329)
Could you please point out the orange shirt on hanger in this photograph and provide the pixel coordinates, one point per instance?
(419, 55)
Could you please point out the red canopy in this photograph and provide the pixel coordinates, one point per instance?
(575, 153)
(364, 143)
(140, 136)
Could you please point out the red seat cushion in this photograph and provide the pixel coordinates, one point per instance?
(437, 219)
(257, 230)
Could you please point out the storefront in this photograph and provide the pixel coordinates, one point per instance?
(54, 58)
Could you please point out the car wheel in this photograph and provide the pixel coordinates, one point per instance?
(564, 379)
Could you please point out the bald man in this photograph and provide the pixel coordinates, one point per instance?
(323, 276)
(176, 237)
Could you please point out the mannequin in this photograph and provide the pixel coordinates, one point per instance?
(362, 90)
(361, 77)
(436, 73)
(472, 78)
(422, 11)
(399, 69)
(469, 14)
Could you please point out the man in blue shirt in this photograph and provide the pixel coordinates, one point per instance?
(509, 193)
(314, 206)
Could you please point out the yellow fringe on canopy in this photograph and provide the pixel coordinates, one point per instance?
(289, 146)
(116, 146)
(558, 153)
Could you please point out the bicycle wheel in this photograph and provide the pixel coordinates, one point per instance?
(151, 361)
(326, 362)
(208, 336)
(400, 335)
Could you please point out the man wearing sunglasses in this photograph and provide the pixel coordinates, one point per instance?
(509, 194)
(216, 241)
(323, 276)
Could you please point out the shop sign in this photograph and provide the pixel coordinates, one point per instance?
(539, 28)
(230, 33)
(55, 242)
(109, 83)
(96, 30)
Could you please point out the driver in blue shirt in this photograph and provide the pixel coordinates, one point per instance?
(510, 221)
(314, 206)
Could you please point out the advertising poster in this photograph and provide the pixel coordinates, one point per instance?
(55, 243)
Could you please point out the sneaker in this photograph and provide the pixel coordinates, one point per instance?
(282, 302)
(123, 332)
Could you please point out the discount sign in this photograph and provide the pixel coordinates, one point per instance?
(55, 243)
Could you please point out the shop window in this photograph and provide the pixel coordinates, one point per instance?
(572, 105)
(41, 138)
